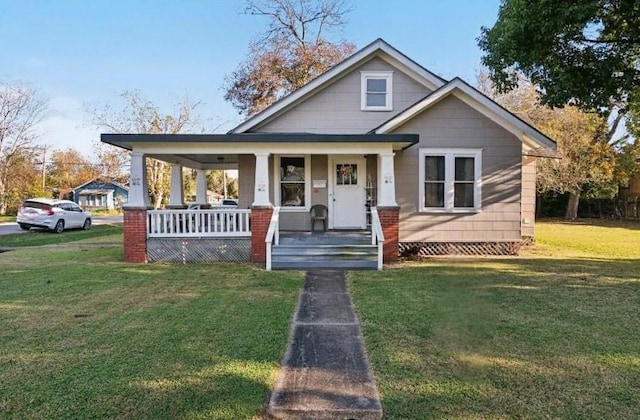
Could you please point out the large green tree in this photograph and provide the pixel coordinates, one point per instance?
(583, 52)
(294, 49)
(69, 169)
(587, 157)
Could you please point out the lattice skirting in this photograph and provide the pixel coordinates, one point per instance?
(528, 241)
(194, 250)
(410, 250)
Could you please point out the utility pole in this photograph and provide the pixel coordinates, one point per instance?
(44, 166)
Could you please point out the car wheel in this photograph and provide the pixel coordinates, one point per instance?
(59, 227)
(87, 224)
(25, 226)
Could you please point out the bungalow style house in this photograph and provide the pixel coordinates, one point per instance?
(381, 145)
(100, 194)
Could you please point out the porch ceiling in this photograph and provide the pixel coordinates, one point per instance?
(200, 161)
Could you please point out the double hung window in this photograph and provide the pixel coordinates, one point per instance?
(376, 91)
(450, 180)
(293, 181)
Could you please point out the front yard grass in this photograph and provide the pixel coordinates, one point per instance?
(554, 333)
(37, 237)
(85, 335)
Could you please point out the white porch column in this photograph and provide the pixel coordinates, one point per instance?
(138, 190)
(201, 186)
(176, 195)
(386, 180)
(261, 185)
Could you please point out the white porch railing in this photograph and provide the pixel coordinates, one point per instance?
(273, 234)
(223, 222)
(377, 237)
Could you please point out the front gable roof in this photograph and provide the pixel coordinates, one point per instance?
(533, 140)
(99, 181)
(378, 48)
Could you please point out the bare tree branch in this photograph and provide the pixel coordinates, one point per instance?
(21, 111)
(292, 51)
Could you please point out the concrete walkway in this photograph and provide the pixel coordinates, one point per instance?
(325, 373)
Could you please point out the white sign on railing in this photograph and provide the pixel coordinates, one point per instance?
(222, 222)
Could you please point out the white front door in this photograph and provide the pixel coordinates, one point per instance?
(346, 194)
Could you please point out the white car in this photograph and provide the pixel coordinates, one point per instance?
(55, 215)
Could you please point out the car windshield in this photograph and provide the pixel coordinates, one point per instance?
(36, 205)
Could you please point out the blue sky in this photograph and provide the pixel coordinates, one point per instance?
(78, 52)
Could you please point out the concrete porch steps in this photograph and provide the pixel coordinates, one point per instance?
(301, 257)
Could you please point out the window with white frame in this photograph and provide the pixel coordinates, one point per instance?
(376, 90)
(450, 180)
(293, 185)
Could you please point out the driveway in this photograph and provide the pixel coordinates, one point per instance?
(12, 227)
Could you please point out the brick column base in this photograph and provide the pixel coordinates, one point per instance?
(135, 235)
(260, 218)
(389, 219)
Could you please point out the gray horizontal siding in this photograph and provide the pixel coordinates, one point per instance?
(336, 109)
(453, 124)
(528, 196)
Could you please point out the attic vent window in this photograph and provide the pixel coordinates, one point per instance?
(376, 90)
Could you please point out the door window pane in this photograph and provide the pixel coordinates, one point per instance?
(346, 174)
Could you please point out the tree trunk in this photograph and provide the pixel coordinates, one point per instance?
(572, 206)
(538, 206)
(3, 195)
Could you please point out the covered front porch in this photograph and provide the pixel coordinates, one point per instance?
(281, 178)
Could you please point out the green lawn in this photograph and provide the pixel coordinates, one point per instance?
(85, 335)
(36, 237)
(554, 333)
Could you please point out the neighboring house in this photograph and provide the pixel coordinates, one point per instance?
(447, 169)
(98, 194)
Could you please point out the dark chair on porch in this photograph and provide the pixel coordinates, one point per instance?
(319, 212)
